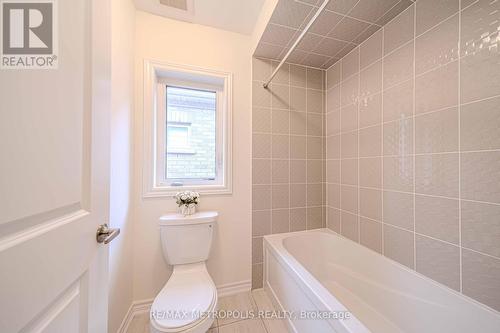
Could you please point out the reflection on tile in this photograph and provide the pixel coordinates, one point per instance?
(437, 174)
(479, 24)
(398, 173)
(398, 137)
(477, 78)
(439, 261)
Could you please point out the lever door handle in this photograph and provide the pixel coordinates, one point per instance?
(105, 234)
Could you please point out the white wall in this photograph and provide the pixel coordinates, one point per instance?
(122, 96)
(177, 42)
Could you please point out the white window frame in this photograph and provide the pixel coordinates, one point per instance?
(157, 76)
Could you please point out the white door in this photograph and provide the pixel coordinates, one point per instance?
(54, 180)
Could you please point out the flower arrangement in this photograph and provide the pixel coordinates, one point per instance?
(187, 202)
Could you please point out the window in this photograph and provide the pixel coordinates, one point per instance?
(187, 117)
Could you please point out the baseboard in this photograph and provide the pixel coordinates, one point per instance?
(229, 289)
(139, 307)
(136, 307)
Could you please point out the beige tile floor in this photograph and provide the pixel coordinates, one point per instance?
(255, 300)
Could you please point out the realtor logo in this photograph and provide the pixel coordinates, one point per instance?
(29, 39)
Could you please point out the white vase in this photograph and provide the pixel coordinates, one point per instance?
(188, 209)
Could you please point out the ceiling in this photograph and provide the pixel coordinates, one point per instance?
(233, 15)
(340, 27)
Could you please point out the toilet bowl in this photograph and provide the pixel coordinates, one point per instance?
(188, 301)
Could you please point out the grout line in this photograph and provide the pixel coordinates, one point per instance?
(340, 144)
(357, 159)
(414, 139)
(459, 150)
(382, 142)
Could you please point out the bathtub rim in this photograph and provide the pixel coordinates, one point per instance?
(321, 297)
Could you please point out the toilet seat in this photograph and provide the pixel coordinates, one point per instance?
(187, 301)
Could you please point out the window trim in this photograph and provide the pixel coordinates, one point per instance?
(156, 73)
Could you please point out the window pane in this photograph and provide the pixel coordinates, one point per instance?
(191, 135)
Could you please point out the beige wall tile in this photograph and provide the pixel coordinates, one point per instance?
(298, 172)
(437, 131)
(314, 124)
(370, 79)
(371, 49)
(261, 197)
(370, 172)
(349, 199)
(437, 89)
(398, 137)
(314, 195)
(261, 223)
(257, 276)
(398, 245)
(261, 145)
(280, 196)
(480, 176)
(438, 260)
(333, 123)
(261, 171)
(430, 13)
(437, 174)
(314, 218)
(298, 195)
(349, 145)
(280, 96)
(333, 171)
(480, 278)
(280, 221)
(260, 97)
(481, 227)
(370, 141)
(349, 118)
(280, 146)
(333, 194)
(314, 171)
(261, 120)
(399, 30)
(333, 147)
(298, 76)
(261, 69)
(314, 101)
(349, 171)
(398, 101)
(257, 250)
(333, 221)
(315, 78)
(398, 209)
(370, 234)
(478, 21)
(298, 123)
(350, 64)
(333, 75)
(349, 226)
(298, 219)
(298, 147)
(349, 90)
(333, 98)
(280, 121)
(479, 126)
(438, 46)
(398, 173)
(314, 147)
(370, 110)
(280, 171)
(437, 218)
(398, 66)
(298, 99)
(370, 203)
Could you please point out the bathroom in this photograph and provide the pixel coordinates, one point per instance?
(337, 164)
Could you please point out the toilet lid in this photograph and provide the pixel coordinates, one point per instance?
(186, 298)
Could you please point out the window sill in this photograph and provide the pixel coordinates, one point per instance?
(181, 152)
(169, 191)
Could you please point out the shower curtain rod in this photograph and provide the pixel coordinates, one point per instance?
(302, 34)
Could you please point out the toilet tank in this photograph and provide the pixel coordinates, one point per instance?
(187, 239)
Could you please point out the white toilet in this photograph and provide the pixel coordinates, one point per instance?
(189, 298)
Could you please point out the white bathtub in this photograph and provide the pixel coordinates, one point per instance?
(320, 271)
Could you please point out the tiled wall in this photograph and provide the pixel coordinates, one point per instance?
(288, 154)
(413, 144)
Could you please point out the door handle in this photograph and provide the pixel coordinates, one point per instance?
(105, 234)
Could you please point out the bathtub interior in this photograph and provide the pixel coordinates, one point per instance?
(384, 295)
